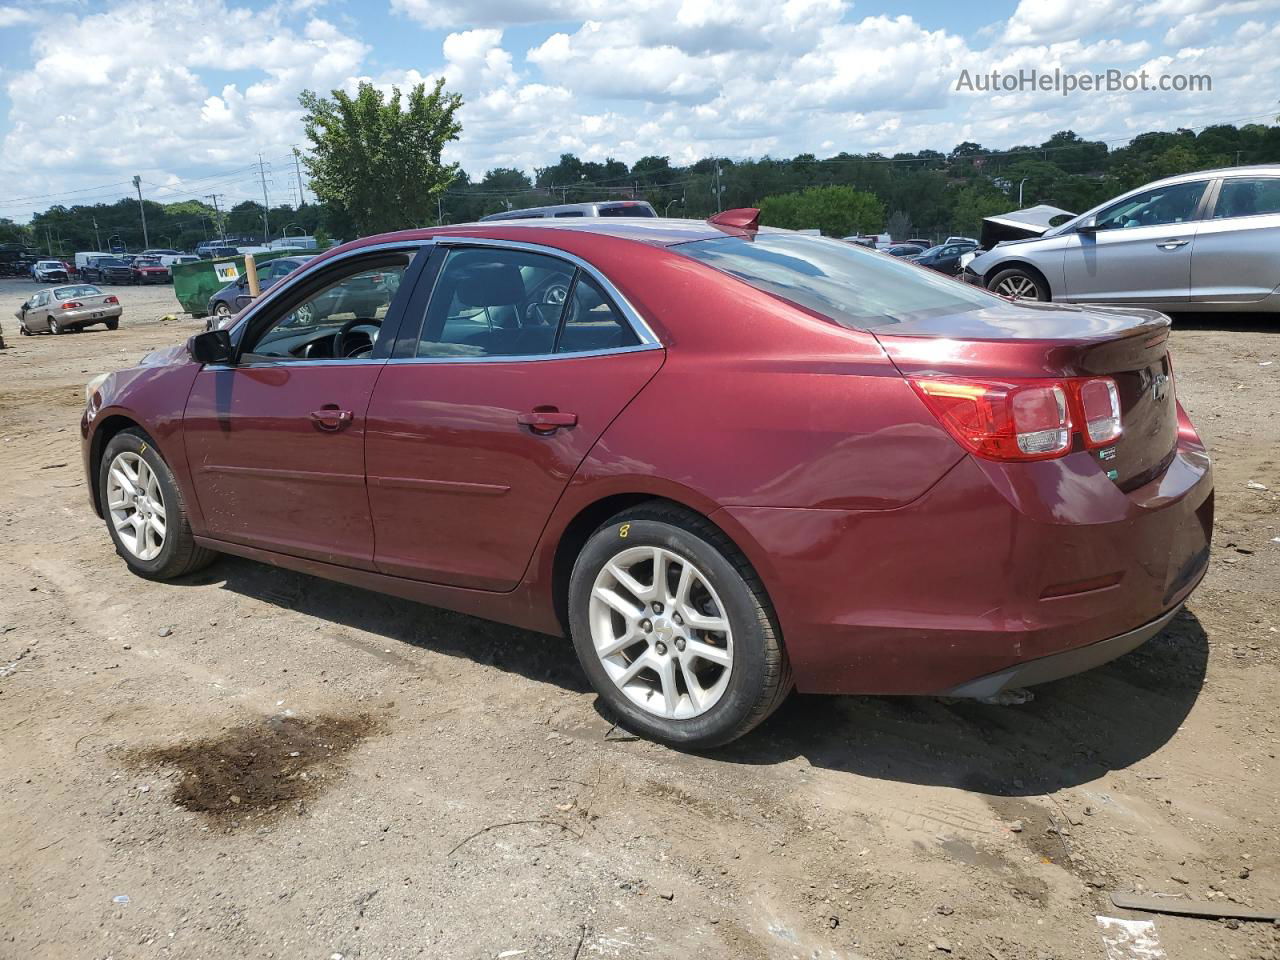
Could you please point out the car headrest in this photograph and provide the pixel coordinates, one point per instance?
(491, 285)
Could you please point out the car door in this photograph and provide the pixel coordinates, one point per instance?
(514, 367)
(1138, 250)
(275, 440)
(1236, 253)
(37, 315)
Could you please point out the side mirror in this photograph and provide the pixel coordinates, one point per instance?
(243, 300)
(1088, 225)
(212, 346)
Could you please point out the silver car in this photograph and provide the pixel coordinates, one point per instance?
(1200, 241)
(59, 309)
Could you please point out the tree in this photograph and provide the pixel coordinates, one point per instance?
(377, 161)
(836, 211)
(899, 225)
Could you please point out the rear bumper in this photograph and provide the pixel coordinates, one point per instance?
(992, 571)
(1065, 664)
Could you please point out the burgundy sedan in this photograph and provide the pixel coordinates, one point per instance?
(727, 461)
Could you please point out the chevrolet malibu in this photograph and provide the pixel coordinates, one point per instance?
(727, 461)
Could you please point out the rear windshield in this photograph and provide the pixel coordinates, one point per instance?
(857, 288)
(628, 210)
(79, 290)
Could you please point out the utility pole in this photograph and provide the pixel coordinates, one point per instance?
(217, 216)
(1020, 186)
(48, 243)
(719, 189)
(97, 240)
(297, 165)
(439, 210)
(266, 229)
(146, 242)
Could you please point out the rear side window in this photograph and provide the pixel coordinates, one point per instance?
(1248, 198)
(857, 288)
(627, 210)
(592, 322)
(570, 213)
(492, 302)
(495, 303)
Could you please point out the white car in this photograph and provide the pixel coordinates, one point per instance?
(49, 271)
(1208, 240)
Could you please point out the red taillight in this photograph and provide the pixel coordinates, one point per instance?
(72, 304)
(112, 299)
(1100, 404)
(1002, 420)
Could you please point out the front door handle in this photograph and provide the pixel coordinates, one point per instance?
(546, 420)
(1171, 244)
(330, 418)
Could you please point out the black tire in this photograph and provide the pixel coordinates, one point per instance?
(179, 555)
(1014, 279)
(55, 327)
(113, 324)
(222, 310)
(760, 678)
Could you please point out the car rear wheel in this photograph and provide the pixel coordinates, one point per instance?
(144, 510)
(55, 327)
(674, 629)
(1018, 284)
(113, 324)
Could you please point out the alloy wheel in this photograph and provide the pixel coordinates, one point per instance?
(661, 632)
(1017, 288)
(136, 505)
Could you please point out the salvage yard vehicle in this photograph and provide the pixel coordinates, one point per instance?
(603, 208)
(146, 268)
(227, 302)
(945, 257)
(73, 307)
(1205, 241)
(726, 460)
(107, 270)
(49, 271)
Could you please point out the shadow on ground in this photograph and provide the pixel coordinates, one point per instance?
(1074, 731)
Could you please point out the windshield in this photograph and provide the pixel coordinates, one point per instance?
(79, 290)
(146, 261)
(856, 288)
(109, 262)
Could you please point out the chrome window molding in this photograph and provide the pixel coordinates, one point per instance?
(531, 357)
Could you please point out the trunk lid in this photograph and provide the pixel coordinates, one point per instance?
(1022, 341)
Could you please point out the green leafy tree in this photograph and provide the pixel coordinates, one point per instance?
(836, 211)
(378, 159)
(972, 203)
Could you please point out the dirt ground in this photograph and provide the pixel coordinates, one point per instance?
(257, 764)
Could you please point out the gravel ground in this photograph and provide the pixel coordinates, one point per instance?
(257, 764)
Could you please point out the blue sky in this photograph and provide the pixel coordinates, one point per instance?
(187, 93)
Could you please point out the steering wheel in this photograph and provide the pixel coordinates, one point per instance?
(553, 295)
(340, 348)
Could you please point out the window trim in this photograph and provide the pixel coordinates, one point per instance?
(644, 333)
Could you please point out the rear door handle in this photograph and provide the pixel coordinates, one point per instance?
(1172, 244)
(546, 420)
(330, 418)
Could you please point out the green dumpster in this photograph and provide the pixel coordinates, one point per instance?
(195, 283)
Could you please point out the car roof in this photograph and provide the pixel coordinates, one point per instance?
(659, 231)
(1267, 169)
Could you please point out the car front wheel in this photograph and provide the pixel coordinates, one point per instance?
(674, 629)
(144, 510)
(1018, 284)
